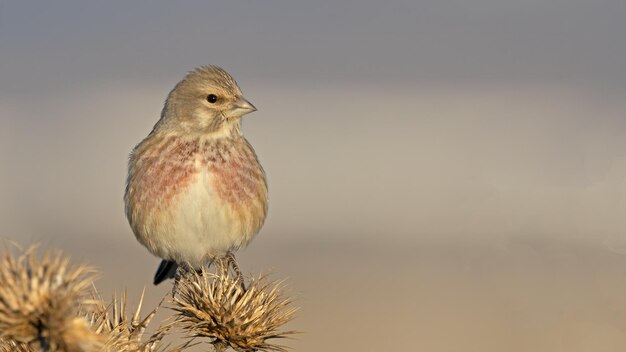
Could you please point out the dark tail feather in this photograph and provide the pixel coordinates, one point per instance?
(166, 270)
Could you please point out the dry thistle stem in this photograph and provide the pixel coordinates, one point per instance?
(215, 305)
(126, 334)
(40, 301)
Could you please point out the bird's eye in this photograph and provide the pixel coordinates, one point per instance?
(211, 98)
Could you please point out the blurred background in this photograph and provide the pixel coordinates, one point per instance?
(444, 175)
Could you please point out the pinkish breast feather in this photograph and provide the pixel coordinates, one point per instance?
(167, 169)
(163, 172)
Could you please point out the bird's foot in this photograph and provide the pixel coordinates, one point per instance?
(232, 262)
(183, 269)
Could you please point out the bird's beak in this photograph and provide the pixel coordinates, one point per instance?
(242, 107)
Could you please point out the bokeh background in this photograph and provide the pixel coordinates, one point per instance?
(444, 175)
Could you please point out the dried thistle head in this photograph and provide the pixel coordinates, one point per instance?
(216, 306)
(40, 301)
(14, 346)
(122, 333)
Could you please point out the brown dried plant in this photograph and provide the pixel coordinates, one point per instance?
(41, 301)
(47, 305)
(216, 306)
(14, 346)
(126, 334)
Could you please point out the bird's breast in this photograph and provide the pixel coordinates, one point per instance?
(203, 190)
(160, 168)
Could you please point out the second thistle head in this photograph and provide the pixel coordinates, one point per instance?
(207, 100)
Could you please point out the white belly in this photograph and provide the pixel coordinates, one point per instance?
(202, 226)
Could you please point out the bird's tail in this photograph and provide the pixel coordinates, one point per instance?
(167, 270)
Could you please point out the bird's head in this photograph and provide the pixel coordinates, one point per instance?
(207, 100)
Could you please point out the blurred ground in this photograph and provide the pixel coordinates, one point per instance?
(461, 295)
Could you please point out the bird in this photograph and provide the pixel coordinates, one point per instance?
(195, 190)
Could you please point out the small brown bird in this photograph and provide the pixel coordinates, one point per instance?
(195, 190)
